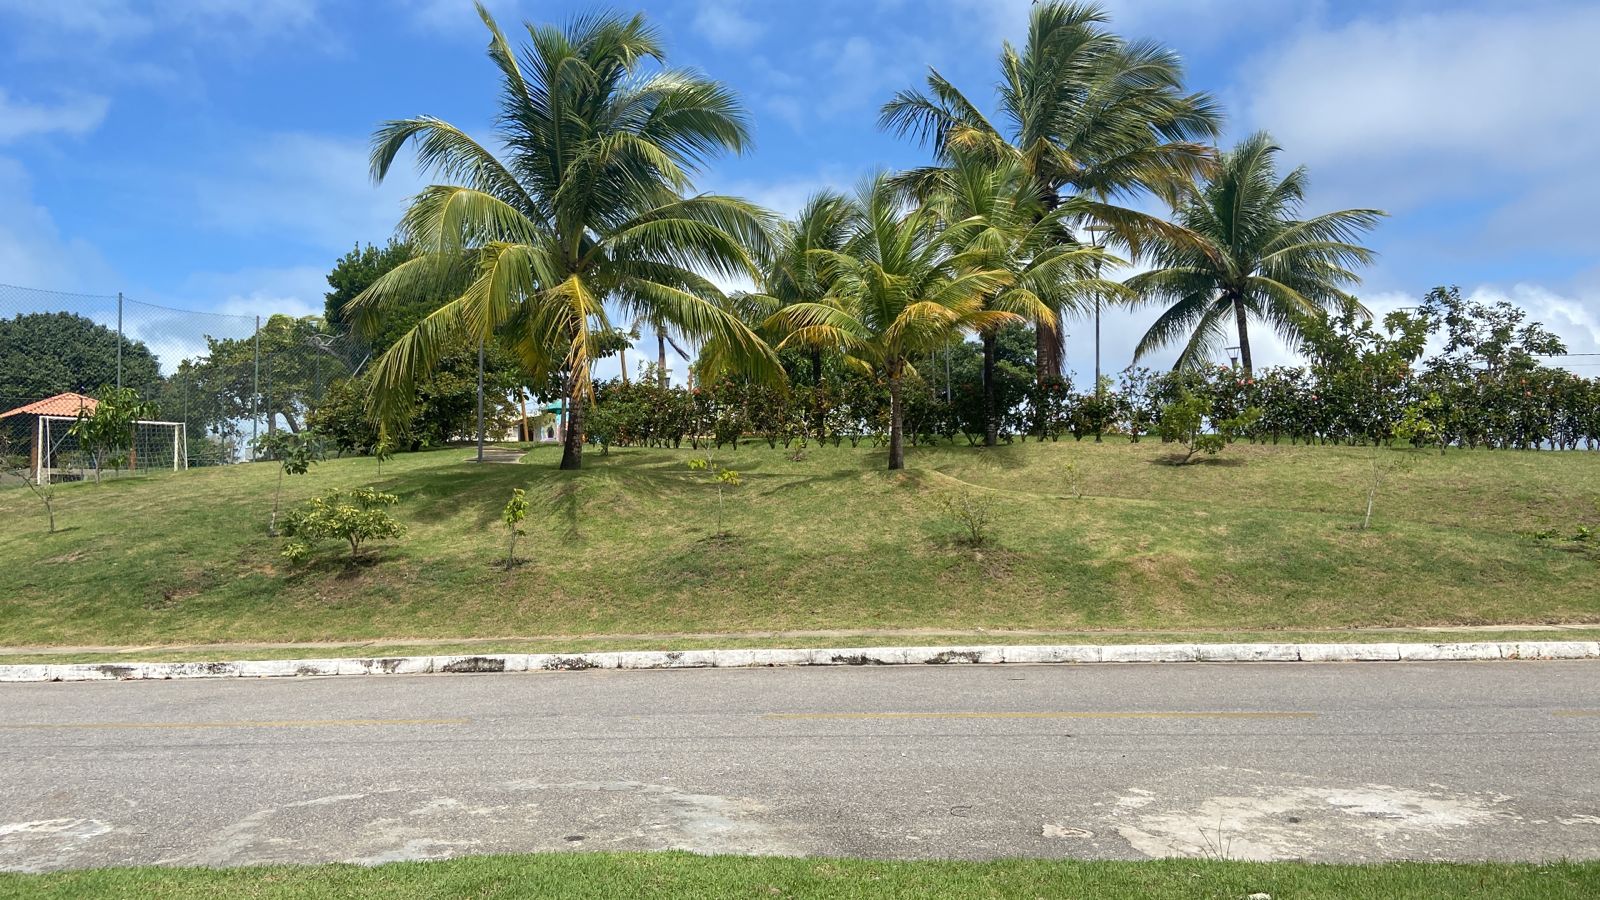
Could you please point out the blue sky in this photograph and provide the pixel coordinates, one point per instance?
(211, 154)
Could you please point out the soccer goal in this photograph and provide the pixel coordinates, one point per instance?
(57, 455)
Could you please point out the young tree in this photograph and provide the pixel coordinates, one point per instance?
(106, 432)
(1183, 421)
(355, 517)
(721, 477)
(15, 463)
(586, 208)
(295, 454)
(513, 515)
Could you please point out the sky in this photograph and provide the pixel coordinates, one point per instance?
(211, 154)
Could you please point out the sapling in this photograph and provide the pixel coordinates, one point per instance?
(513, 515)
(294, 453)
(723, 478)
(17, 466)
(355, 517)
(1183, 421)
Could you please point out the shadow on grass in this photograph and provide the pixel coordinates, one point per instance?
(1180, 461)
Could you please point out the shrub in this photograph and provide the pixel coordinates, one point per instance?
(1183, 422)
(355, 517)
(973, 515)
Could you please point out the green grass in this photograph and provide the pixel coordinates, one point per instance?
(1262, 540)
(669, 875)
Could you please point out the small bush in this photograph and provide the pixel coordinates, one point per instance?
(1183, 422)
(973, 514)
(354, 517)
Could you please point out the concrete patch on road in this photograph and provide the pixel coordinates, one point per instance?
(1372, 821)
(47, 844)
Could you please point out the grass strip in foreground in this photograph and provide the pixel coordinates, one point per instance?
(670, 875)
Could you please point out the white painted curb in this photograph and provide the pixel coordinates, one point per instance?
(863, 656)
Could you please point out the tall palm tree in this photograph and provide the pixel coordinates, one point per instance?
(1245, 253)
(1085, 113)
(898, 289)
(991, 211)
(586, 208)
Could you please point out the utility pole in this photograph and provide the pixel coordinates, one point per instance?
(1101, 239)
(119, 340)
(255, 394)
(480, 401)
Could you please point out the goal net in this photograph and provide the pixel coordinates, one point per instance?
(58, 456)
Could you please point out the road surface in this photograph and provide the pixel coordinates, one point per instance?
(1364, 761)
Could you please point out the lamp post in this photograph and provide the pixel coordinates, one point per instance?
(1102, 235)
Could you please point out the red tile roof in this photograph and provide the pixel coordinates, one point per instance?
(66, 404)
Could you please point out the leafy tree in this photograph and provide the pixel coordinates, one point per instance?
(355, 517)
(586, 208)
(1084, 113)
(1244, 252)
(106, 432)
(355, 272)
(44, 354)
(898, 291)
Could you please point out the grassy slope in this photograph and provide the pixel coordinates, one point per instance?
(1262, 538)
(682, 875)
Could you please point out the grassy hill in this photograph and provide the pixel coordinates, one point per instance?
(1087, 537)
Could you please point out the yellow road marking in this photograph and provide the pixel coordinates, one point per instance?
(1048, 715)
(1572, 713)
(277, 723)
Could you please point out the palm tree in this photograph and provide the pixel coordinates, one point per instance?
(1245, 253)
(586, 208)
(992, 212)
(897, 289)
(1085, 113)
(794, 274)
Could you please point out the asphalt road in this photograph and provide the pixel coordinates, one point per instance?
(1360, 761)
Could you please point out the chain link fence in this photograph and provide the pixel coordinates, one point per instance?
(218, 382)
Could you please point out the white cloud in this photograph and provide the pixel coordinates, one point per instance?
(33, 252)
(75, 116)
(1422, 103)
(116, 21)
(725, 24)
(312, 188)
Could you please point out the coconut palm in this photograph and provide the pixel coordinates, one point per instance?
(793, 274)
(1245, 253)
(586, 208)
(897, 289)
(1084, 113)
(991, 211)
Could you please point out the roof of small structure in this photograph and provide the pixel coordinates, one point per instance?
(66, 404)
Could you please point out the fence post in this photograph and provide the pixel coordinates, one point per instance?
(255, 394)
(119, 340)
(480, 401)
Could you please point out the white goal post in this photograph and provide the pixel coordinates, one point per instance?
(155, 446)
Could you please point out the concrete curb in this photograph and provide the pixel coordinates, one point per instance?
(863, 656)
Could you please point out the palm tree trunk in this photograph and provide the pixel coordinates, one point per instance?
(897, 447)
(622, 360)
(572, 443)
(991, 426)
(1241, 319)
(816, 367)
(661, 357)
(1049, 345)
